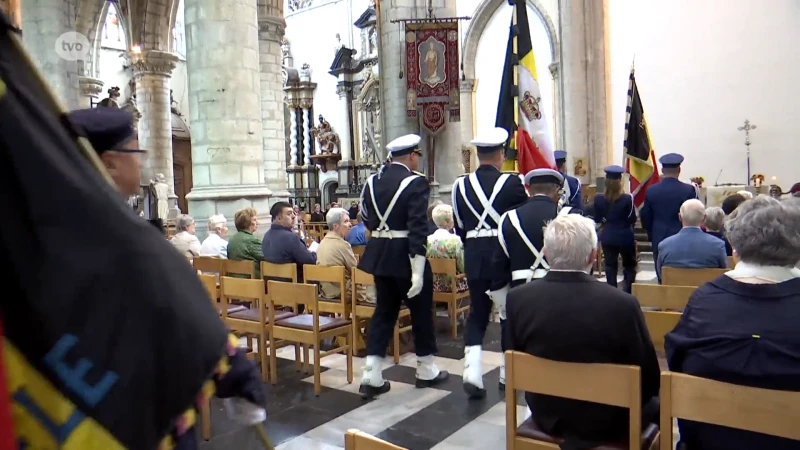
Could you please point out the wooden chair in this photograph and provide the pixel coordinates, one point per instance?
(363, 311)
(775, 413)
(308, 329)
(358, 440)
(665, 298)
(731, 262)
(675, 276)
(607, 384)
(244, 267)
(210, 283)
(206, 264)
(444, 266)
(358, 250)
(286, 271)
(254, 321)
(313, 273)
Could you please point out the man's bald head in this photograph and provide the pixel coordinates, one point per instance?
(693, 212)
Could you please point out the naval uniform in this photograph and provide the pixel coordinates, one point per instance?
(572, 185)
(617, 219)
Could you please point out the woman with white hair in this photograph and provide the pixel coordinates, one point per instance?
(215, 245)
(185, 240)
(444, 244)
(742, 326)
(715, 220)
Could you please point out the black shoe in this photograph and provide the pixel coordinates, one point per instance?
(368, 392)
(501, 386)
(474, 392)
(443, 375)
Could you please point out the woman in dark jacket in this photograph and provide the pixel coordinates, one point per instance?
(741, 328)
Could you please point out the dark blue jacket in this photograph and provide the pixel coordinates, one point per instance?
(281, 246)
(575, 195)
(617, 219)
(662, 204)
(743, 334)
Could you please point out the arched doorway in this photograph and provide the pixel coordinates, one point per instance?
(329, 195)
(181, 160)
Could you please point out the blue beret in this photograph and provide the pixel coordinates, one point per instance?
(105, 128)
(559, 155)
(671, 160)
(614, 172)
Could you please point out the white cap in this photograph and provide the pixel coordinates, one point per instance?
(544, 176)
(489, 140)
(403, 145)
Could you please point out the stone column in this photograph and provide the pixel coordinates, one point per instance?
(225, 105)
(308, 140)
(45, 22)
(584, 57)
(152, 71)
(468, 122)
(558, 110)
(90, 90)
(271, 28)
(13, 10)
(345, 104)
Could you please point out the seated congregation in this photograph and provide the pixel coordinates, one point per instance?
(713, 345)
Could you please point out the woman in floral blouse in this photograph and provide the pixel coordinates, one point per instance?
(444, 244)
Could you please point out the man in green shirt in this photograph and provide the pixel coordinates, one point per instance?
(244, 245)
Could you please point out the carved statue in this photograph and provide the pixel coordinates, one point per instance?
(285, 50)
(328, 141)
(161, 189)
(373, 42)
(338, 43)
(305, 73)
(112, 101)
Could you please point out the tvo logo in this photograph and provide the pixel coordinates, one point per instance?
(72, 46)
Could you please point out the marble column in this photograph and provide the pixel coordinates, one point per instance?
(152, 71)
(469, 156)
(224, 77)
(13, 10)
(44, 24)
(271, 28)
(584, 55)
(558, 110)
(308, 140)
(90, 91)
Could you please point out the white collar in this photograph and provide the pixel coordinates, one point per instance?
(775, 274)
(401, 164)
(441, 233)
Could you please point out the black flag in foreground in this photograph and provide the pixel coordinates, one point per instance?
(109, 335)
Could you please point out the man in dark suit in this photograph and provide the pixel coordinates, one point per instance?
(393, 206)
(570, 316)
(663, 201)
(691, 248)
(479, 199)
(574, 196)
(517, 257)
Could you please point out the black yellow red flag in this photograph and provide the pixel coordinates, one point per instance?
(639, 154)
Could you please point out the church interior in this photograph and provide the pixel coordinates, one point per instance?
(246, 103)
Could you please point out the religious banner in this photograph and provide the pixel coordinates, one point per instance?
(432, 66)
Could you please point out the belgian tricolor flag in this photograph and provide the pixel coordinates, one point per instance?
(519, 106)
(639, 154)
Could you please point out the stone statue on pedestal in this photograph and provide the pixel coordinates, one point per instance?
(327, 140)
(161, 190)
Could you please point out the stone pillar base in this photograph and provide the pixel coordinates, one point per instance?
(204, 202)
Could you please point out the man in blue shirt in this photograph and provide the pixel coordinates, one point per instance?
(691, 247)
(281, 245)
(358, 234)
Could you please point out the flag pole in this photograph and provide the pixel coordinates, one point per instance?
(627, 176)
(515, 50)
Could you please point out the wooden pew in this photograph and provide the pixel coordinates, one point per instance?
(665, 298)
(676, 276)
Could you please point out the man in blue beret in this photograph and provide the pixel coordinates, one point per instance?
(572, 185)
(662, 202)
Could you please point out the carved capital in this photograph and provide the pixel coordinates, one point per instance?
(343, 90)
(90, 87)
(306, 103)
(467, 86)
(554, 69)
(271, 29)
(153, 62)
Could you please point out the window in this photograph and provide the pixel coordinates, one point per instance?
(113, 35)
(179, 33)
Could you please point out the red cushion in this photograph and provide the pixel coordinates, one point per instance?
(530, 430)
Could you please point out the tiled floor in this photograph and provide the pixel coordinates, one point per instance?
(418, 419)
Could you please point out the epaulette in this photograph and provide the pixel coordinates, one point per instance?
(418, 173)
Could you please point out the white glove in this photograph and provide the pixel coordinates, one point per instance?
(417, 272)
(243, 412)
(499, 299)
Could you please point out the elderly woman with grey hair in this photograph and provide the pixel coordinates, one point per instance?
(443, 243)
(742, 326)
(215, 245)
(185, 240)
(715, 220)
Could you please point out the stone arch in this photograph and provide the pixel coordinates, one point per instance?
(483, 13)
(90, 24)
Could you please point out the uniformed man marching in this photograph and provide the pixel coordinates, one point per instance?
(479, 199)
(663, 200)
(614, 210)
(396, 204)
(572, 185)
(518, 257)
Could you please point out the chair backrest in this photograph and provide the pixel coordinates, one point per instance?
(243, 267)
(731, 262)
(287, 271)
(359, 277)
(207, 264)
(358, 250)
(676, 276)
(329, 274)
(292, 294)
(662, 297)
(210, 283)
(358, 440)
(607, 384)
(239, 289)
(443, 266)
(776, 413)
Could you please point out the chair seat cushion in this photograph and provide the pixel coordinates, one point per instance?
(231, 309)
(529, 429)
(254, 315)
(306, 322)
